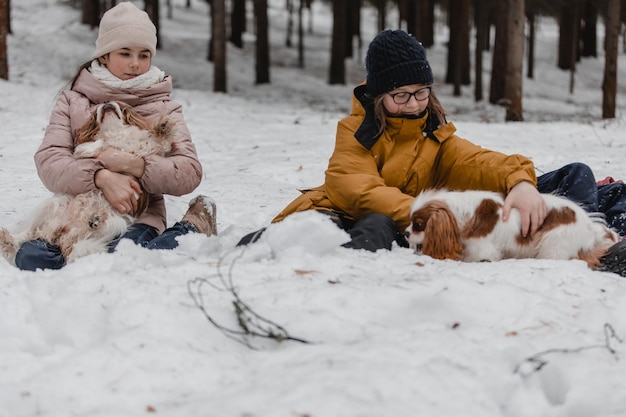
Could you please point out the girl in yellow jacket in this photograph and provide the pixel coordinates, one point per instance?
(397, 143)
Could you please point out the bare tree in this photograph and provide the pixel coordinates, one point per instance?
(530, 62)
(353, 28)
(482, 33)
(91, 13)
(262, 42)
(153, 10)
(588, 31)
(290, 12)
(237, 22)
(609, 83)
(419, 17)
(8, 11)
(4, 30)
(338, 43)
(458, 48)
(569, 24)
(301, 34)
(498, 66)
(515, 60)
(218, 32)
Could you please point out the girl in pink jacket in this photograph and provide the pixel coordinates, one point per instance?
(122, 71)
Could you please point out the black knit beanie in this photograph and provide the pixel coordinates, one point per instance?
(394, 59)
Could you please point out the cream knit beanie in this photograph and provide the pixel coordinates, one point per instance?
(125, 26)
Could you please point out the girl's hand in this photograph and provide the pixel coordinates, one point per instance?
(525, 197)
(122, 162)
(120, 190)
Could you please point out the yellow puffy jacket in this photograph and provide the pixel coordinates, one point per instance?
(368, 174)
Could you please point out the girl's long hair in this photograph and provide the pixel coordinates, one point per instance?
(435, 109)
(70, 84)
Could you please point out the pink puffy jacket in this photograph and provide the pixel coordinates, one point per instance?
(177, 174)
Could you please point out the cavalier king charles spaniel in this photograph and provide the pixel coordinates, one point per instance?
(86, 223)
(468, 226)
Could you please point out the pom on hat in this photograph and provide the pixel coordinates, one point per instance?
(394, 59)
(125, 26)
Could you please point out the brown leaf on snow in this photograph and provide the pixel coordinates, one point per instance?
(303, 272)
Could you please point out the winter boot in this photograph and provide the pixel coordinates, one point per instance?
(201, 214)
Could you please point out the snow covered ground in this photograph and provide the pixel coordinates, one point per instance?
(389, 333)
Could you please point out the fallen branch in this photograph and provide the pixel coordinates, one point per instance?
(251, 323)
(538, 361)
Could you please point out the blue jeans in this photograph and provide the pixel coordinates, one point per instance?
(39, 254)
(577, 182)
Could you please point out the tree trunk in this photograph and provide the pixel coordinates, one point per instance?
(209, 55)
(422, 26)
(515, 60)
(218, 31)
(481, 24)
(153, 10)
(238, 22)
(4, 30)
(339, 43)
(301, 34)
(588, 31)
(458, 47)
(609, 83)
(568, 35)
(289, 32)
(353, 28)
(91, 13)
(8, 9)
(498, 67)
(531, 44)
(262, 42)
(410, 16)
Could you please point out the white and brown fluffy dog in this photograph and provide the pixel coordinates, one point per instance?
(84, 224)
(468, 226)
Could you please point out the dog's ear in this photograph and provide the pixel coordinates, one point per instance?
(442, 237)
(134, 119)
(88, 131)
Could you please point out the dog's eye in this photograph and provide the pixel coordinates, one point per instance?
(418, 227)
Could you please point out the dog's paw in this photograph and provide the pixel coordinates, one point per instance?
(8, 246)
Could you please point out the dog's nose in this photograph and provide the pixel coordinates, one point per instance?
(107, 106)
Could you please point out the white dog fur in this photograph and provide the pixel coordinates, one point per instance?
(467, 226)
(86, 223)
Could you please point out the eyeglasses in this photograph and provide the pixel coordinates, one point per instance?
(404, 97)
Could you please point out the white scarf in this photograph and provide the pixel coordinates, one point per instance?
(152, 76)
